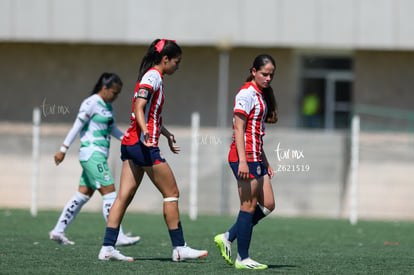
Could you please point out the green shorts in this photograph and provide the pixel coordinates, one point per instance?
(96, 172)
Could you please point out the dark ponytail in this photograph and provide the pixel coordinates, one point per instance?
(108, 80)
(155, 52)
(268, 93)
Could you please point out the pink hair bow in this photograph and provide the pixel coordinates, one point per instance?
(160, 45)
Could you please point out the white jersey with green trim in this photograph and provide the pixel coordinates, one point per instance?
(96, 123)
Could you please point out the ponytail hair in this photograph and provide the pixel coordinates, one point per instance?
(108, 80)
(156, 51)
(268, 93)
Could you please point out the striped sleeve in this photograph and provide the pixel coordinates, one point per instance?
(244, 102)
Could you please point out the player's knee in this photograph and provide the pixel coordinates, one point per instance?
(172, 193)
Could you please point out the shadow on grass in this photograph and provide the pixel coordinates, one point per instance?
(169, 260)
(282, 266)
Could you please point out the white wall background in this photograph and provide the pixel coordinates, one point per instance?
(349, 24)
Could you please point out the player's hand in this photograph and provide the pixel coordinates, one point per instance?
(243, 170)
(174, 148)
(59, 157)
(270, 171)
(146, 140)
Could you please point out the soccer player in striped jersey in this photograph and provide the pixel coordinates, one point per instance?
(140, 153)
(254, 105)
(95, 123)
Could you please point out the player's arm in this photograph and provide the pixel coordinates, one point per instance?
(116, 132)
(76, 128)
(171, 140)
(267, 164)
(85, 113)
(240, 121)
(141, 101)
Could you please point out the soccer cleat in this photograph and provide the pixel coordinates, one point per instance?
(127, 240)
(60, 238)
(109, 253)
(249, 264)
(182, 253)
(224, 247)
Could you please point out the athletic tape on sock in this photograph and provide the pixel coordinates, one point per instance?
(171, 199)
(264, 210)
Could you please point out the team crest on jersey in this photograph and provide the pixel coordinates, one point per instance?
(106, 176)
(259, 170)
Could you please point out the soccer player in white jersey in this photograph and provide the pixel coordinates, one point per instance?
(95, 123)
(254, 105)
(140, 153)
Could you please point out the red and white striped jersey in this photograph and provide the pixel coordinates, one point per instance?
(151, 80)
(250, 102)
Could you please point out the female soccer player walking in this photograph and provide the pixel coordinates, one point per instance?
(254, 105)
(140, 153)
(95, 123)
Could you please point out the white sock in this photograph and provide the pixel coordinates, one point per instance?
(107, 202)
(69, 212)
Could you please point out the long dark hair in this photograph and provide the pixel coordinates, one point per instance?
(268, 93)
(108, 80)
(155, 52)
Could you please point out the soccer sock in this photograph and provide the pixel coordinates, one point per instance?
(107, 202)
(177, 236)
(244, 234)
(111, 235)
(69, 212)
(232, 233)
(260, 213)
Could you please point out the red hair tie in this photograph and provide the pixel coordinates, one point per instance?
(160, 45)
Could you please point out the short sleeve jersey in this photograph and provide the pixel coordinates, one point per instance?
(98, 119)
(249, 101)
(151, 80)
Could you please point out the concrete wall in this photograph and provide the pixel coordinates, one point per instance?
(60, 76)
(309, 171)
(352, 24)
(384, 78)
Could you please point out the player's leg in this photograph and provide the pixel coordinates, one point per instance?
(223, 241)
(248, 192)
(265, 205)
(163, 178)
(108, 198)
(131, 177)
(70, 211)
(266, 201)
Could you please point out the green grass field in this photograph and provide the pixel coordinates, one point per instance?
(287, 245)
